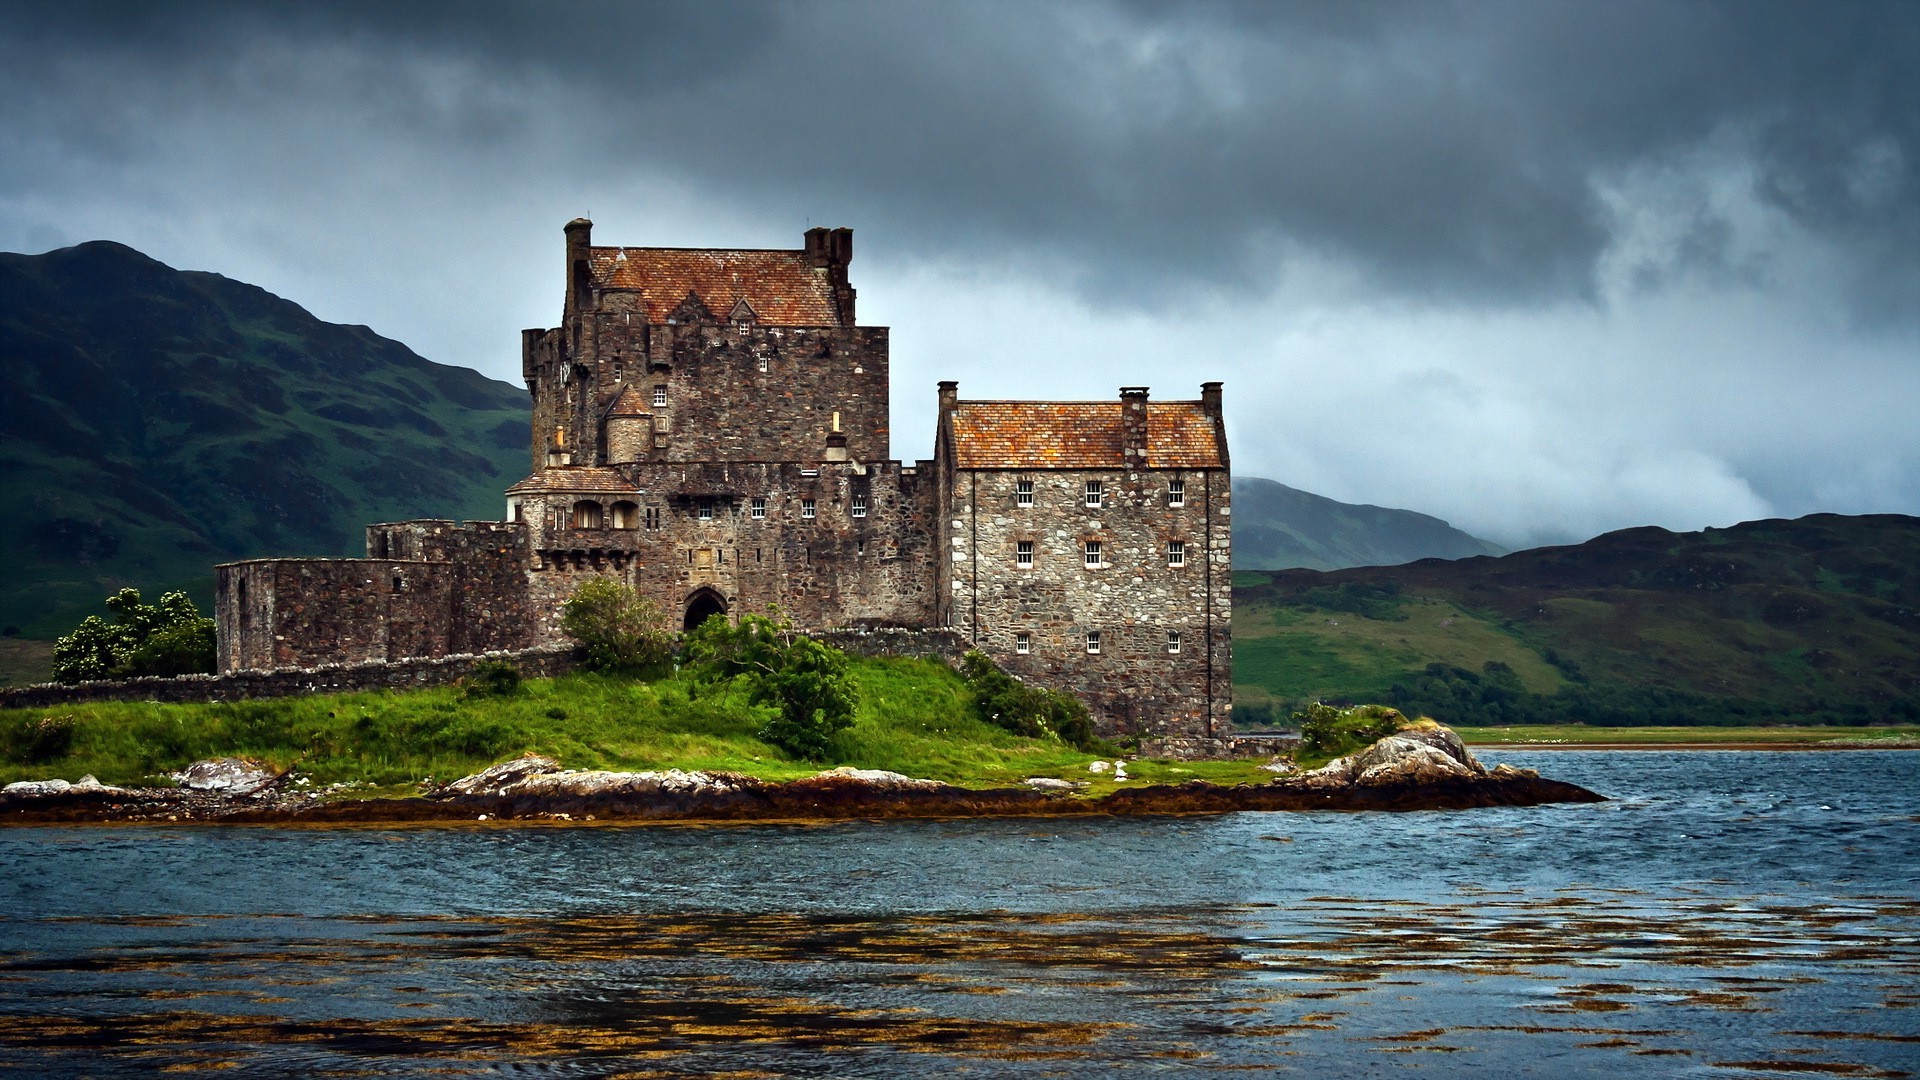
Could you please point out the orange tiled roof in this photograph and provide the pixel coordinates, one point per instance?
(588, 479)
(630, 402)
(782, 287)
(1078, 435)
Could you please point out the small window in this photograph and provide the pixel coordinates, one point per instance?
(1093, 554)
(1093, 642)
(705, 509)
(859, 506)
(1023, 643)
(806, 508)
(1095, 492)
(763, 365)
(653, 517)
(619, 371)
(1176, 553)
(1023, 554)
(659, 397)
(1173, 641)
(1023, 493)
(1176, 493)
(399, 583)
(759, 509)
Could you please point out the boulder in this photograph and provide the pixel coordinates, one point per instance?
(1444, 740)
(225, 776)
(1048, 783)
(495, 779)
(36, 787)
(1394, 761)
(879, 778)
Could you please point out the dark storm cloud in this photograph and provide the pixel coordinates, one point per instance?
(1142, 151)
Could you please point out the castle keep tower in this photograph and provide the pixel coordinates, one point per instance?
(711, 427)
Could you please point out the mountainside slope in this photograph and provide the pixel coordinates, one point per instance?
(1815, 619)
(1276, 527)
(154, 422)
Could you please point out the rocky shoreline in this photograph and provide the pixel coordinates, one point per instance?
(1415, 770)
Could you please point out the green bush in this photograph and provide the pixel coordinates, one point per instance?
(621, 632)
(1327, 732)
(168, 638)
(36, 741)
(1006, 702)
(808, 682)
(491, 679)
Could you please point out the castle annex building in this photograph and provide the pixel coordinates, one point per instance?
(710, 426)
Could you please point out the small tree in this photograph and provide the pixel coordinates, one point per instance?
(807, 680)
(1034, 711)
(621, 631)
(167, 638)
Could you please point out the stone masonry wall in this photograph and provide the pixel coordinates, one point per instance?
(1136, 684)
(302, 612)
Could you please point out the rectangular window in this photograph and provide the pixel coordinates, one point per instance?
(1095, 491)
(1093, 554)
(706, 509)
(759, 506)
(1023, 553)
(659, 397)
(1173, 641)
(1023, 643)
(763, 365)
(806, 508)
(1176, 493)
(1093, 641)
(1176, 553)
(1023, 493)
(859, 506)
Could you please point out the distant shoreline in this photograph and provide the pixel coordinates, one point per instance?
(1906, 744)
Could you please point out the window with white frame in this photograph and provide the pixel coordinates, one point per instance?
(859, 505)
(1173, 641)
(1023, 643)
(1094, 548)
(806, 508)
(1093, 641)
(1023, 554)
(1023, 493)
(1095, 492)
(659, 397)
(1176, 553)
(759, 507)
(705, 509)
(1176, 493)
(763, 365)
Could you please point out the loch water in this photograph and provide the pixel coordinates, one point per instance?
(1728, 914)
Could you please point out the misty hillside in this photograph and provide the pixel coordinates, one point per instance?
(1276, 527)
(1811, 620)
(154, 422)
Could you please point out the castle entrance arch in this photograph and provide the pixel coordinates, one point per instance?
(702, 604)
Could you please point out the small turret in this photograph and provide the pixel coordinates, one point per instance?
(629, 428)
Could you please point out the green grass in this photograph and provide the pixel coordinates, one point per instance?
(1550, 734)
(915, 717)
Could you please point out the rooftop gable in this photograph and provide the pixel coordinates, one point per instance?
(1079, 435)
(778, 288)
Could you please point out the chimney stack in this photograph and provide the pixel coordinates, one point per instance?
(1133, 426)
(1210, 399)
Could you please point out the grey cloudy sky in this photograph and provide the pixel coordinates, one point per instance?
(1543, 269)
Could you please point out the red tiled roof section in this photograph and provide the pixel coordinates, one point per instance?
(1078, 435)
(584, 479)
(782, 287)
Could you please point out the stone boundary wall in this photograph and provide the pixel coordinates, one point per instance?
(327, 679)
(895, 641)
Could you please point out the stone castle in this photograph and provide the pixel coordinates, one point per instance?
(711, 426)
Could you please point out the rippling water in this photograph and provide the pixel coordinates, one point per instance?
(1730, 914)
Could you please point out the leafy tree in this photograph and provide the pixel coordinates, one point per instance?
(1033, 711)
(167, 638)
(806, 680)
(1328, 732)
(622, 632)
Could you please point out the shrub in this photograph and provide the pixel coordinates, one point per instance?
(1327, 732)
(622, 632)
(491, 679)
(168, 638)
(36, 742)
(806, 680)
(1036, 712)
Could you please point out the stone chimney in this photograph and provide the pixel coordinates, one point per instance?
(1133, 426)
(579, 265)
(1210, 399)
(949, 396)
(833, 250)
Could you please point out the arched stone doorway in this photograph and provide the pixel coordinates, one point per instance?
(701, 605)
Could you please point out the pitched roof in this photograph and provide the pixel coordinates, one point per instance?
(583, 479)
(1078, 435)
(783, 288)
(631, 402)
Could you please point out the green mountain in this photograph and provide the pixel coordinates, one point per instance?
(1276, 527)
(1815, 620)
(154, 422)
